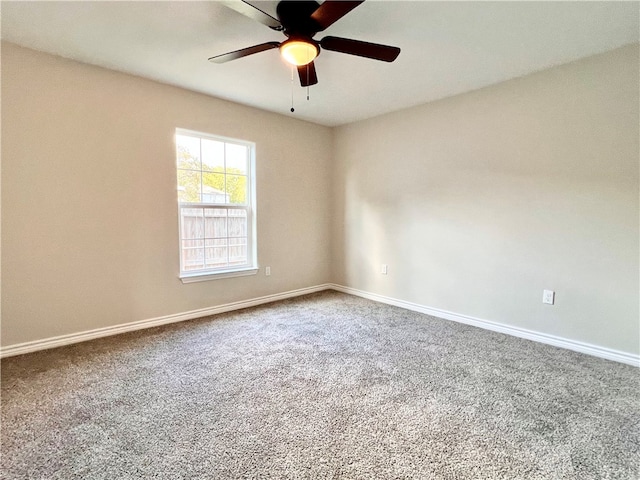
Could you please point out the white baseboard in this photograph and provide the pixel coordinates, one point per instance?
(34, 346)
(594, 350)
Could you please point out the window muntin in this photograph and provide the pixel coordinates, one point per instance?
(216, 204)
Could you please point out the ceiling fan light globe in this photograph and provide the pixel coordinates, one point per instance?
(298, 52)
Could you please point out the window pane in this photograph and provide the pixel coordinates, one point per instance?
(237, 223)
(215, 223)
(192, 222)
(237, 251)
(216, 252)
(237, 189)
(237, 157)
(192, 254)
(213, 188)
(189, 184)
(212, 155)
(188, 149)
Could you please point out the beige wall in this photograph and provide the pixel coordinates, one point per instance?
(89, 214)
(479, 202)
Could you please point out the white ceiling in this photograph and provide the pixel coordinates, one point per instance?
(447, 47)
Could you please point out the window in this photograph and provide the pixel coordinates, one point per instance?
(216, 202)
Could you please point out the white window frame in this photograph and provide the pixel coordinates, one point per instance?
(251, 267)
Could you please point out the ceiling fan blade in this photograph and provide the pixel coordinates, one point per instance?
(307, 74)
(254, 13)
(331, 11)
(243, 52)
(375, 51)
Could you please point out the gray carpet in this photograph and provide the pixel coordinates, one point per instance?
(322, 386)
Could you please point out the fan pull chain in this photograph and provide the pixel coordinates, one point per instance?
(307, 82)
(292, 109)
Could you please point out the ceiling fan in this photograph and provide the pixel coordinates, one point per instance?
(299, 21)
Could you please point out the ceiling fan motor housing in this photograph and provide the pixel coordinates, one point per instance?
(296, 19)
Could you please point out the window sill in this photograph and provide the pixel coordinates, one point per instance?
(205, 277)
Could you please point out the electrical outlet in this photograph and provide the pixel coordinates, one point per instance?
(267, 271)
(548, 296)
(383, 269)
